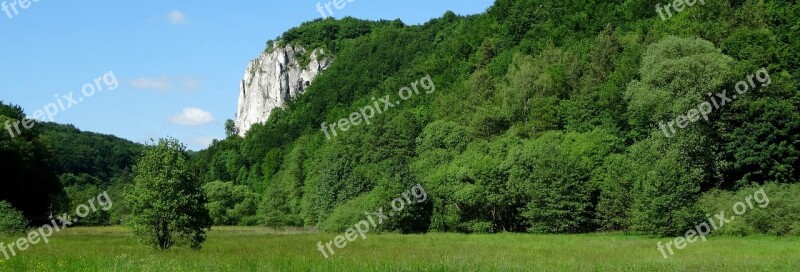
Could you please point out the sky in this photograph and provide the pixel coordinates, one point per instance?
(149, 69)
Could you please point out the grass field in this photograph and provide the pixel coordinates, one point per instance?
(259, 249)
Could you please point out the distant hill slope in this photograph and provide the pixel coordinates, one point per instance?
(51, 167)
(81, 152)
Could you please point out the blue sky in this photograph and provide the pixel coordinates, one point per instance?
(177, 64)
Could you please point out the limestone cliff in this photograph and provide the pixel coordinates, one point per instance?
(272, 79)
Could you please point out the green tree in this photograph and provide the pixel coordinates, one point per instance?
(555, 174)
(676, 75)
(666, 189)
(230, 128)
(28, 180)
(615, 180)
(166, 202)
(11, 220)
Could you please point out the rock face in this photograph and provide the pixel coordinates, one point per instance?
(273, 79)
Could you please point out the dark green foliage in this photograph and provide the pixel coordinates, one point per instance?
(28, 180)
(98, 155)
(85, 163)
(89, 163)
(230, 128)
(616, 182)
(554, 174)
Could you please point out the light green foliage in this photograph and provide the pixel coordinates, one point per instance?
(80, 190)
(282, 200)
(676, 75)
(534, 86)
(166, 202)
(230, 204)
(11, 220)
(780, 215)
(352, 212)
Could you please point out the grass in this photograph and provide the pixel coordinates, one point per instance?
(260, 249)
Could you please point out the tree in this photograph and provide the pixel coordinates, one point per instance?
(676, 75)
(554, 172)
(28, 181)
(167, 205)
(666, 189)
(616, 181)
(230, 128)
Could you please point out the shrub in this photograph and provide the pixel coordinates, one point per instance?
(11, 220)
(352, 212)
(779, 217)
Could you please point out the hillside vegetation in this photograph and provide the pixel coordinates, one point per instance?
(52, 168)
(545, 118)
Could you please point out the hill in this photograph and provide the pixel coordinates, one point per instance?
(51, 167)
(547, 116)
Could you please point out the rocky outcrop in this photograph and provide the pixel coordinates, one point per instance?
(273, 79)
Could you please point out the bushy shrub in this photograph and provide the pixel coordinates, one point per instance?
(11, 220)
(779, 216)
(352, 212)
(230, 204)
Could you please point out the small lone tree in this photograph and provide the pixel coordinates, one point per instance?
(230, 128)
(167, 205)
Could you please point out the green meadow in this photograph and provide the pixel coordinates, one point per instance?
(261, 249)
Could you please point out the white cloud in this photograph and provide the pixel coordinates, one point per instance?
(167, 84)
(176, 18)
(162, 83)
(192, 117)
(203, 142)
(189, 83)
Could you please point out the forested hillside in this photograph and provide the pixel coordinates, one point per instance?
(51, 168)
(545, 118)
